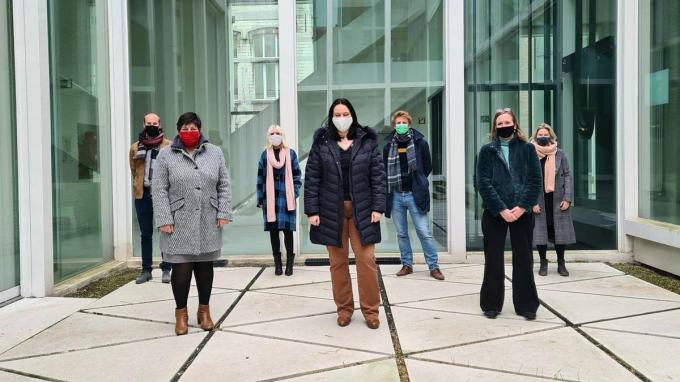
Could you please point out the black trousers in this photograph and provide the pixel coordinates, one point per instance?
(524, 295)
(276, 241)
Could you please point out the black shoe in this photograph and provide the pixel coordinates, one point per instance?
(543, 269)
(491, 313)
(143, 277)
(562, 268)
(290, 261)
(278, 266)
(530, 316)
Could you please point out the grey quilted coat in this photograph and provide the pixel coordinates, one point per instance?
(564, 190)
(191, 192)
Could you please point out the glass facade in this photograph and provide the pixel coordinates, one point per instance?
(553, 62)
(9, 219)
(81, 136)
(383, 56)
(659, 176)
(231, 82)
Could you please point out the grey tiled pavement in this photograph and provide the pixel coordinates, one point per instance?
(597, 325)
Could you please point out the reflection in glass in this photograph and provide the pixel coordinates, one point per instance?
(81, 138)
(351, 59)
(659, 176)
(550, 61)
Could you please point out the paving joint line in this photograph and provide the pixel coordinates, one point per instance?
(305, 342)
(631, 332)
(87, 348)
(399, 355)
(207, 338)
(278, 319)
(134, 318)
(29, 375)
(87, 310)
(629, 316)
(597, 344)
(492, 370)
(613, 355)
(474, 314)
(333, 368)
(609, 295)
(409, 354)
(579, 280)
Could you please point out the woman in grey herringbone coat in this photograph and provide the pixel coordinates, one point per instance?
(192, 203)
(553, 210)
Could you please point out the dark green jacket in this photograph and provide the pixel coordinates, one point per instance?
(501, 187)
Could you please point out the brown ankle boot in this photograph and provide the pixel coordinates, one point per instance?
(203, 316)
(181, 321)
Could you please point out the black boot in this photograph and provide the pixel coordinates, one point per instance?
(290, 260)
(562, 268)
(543, 269)
(278, 264)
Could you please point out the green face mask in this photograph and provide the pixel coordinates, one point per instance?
(401, 128)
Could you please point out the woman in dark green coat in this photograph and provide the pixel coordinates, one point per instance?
(509, 181)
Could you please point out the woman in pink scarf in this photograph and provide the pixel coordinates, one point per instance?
(278, 185)
(553, 213)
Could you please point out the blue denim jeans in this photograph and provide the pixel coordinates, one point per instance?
(402, 202)
(144, 209)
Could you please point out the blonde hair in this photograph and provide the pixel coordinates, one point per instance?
(278, 129)
(518, 132)
(401, 113)
(543, 125)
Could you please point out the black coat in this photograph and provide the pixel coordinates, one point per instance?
(420, 186)
(323, 187)
(501, 187)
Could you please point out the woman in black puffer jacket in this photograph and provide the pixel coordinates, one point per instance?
(344, 201)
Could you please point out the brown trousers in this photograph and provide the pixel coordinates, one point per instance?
(367, 271)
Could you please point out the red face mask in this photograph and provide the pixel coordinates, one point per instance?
(189, 138)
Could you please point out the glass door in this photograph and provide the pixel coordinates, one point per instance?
(9, 219)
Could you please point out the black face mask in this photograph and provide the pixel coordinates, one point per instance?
(505, 132)
(152, 130)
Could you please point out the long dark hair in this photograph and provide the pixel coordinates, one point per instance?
(332, 130)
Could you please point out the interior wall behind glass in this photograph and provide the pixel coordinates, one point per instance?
(9, 234)
(554, 62)
(353, 60)
(659, 176)
(81, 136)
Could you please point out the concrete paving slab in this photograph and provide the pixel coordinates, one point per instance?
(383, 371)
(257, 307)
(323, 329)
(472, 274)
(29, 316)
(659, 324)
(300, 276)
(238, 357)
(83, 331)
(421, 330)
(316, 290)
(153, 360)
(132, 293)
(401, 290)
(164, 311)
(577, 271)
(236, 278)
(622, 286)
(424, 371)
(469, 304)
(654, 357)
(582, 308)
(558, 354)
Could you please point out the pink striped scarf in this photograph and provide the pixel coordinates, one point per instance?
(284, 160)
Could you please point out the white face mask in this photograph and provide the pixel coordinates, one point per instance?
(342, 123)
(275, 139)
